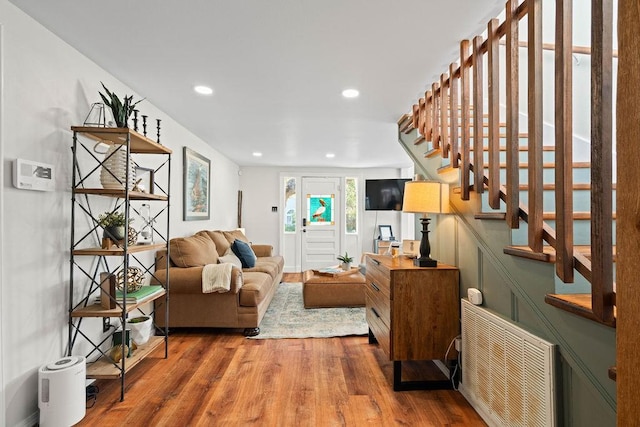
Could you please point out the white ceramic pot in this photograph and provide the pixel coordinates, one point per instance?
(140, 331)
(113, 174)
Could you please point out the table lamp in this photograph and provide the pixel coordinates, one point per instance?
(425, 197)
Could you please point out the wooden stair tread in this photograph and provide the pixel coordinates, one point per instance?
(520, 148)
(578, 304)
(433, 152)
(576, 215)
(419, 140)
(551, 186)
(549, 253)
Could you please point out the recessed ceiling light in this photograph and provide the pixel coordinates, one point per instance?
(350, 93)
(330, 155)
(257, 154)
(203, 90)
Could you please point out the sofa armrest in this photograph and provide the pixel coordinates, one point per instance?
(189, 280)
(262, 250)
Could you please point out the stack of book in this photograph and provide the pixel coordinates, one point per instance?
(141, 294)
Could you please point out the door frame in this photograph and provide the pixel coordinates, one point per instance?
(340, 210)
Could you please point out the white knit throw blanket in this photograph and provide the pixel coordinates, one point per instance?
(216, 278)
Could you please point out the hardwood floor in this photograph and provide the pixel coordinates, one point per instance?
(219, 378)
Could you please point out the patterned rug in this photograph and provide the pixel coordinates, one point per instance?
(286, 317)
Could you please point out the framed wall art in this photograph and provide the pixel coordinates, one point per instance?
(196, 186)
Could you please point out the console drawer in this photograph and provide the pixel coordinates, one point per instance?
(379, 301)
(379, 330)
(379, 277)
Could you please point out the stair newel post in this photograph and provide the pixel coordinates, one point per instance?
(534, 52)
(512, 116)
(564, 140)
(453, 115)
(601, 159)
(493, 89)
(464, 120)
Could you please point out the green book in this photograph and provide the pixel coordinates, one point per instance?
(140, 294)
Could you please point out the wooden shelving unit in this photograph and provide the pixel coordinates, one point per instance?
(87, 244)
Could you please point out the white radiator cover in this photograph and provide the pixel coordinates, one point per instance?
(507, 373)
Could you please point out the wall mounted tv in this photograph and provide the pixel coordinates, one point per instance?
(384, 194)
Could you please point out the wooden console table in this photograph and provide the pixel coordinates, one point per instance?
(412, 312)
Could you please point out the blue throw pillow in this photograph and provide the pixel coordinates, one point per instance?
(245, 253)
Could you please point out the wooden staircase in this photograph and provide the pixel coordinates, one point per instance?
(577, 303)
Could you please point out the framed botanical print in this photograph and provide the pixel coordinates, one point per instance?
(196, 186)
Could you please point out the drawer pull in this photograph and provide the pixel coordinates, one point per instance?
(375, 312)
(375, 261)
(373, 285)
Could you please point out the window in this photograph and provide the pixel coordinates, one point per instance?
(351, 206)
(290, 205)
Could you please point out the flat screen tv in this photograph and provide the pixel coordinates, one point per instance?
(384, 194)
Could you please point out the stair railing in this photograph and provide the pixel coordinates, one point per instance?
(454, 105)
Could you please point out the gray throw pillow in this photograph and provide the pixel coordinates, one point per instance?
(230, 257)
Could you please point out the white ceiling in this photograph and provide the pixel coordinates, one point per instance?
(277, 67)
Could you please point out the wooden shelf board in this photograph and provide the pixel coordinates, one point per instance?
(117, 251)
(139, 143)
(96, 310)
(133, 195)
(104, 369)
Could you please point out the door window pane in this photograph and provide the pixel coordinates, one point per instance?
(289, 205)
(351, 211)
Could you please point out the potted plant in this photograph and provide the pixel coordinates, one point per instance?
(346, 261)
(141, 329)
(121, 110)
(113, 224)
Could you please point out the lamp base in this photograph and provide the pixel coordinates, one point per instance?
(425, 262)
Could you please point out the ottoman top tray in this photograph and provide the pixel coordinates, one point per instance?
(335, 271)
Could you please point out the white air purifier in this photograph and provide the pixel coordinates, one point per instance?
(62, 392)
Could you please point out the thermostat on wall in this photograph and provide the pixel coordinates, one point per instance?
(30, 175)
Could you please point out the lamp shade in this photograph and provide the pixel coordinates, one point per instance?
(425, 197)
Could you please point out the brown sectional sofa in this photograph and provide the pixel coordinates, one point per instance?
(243, 306)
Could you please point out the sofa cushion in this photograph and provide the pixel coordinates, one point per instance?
(264, 267)
(255, 288)
(234, 235)
(229, 256)
(244, 252)
(222, 244)
(193, 251)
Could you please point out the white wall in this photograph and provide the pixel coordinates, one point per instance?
(262, 189)
(48, 87)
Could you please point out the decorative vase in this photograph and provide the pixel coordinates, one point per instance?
(114, 232)
(141, 329)
(113, 174)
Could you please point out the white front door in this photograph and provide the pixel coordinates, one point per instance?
(321, 221)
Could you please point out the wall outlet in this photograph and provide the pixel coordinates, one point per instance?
(458, 344)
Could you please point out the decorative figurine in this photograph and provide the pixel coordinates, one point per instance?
(158, 127)
(144, 125)
(135, 120)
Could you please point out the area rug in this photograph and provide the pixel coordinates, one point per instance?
(286, 317)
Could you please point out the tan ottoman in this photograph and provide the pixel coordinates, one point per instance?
(319, 291)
